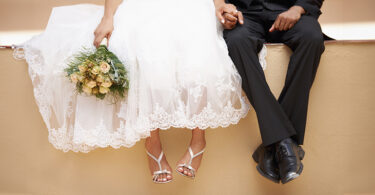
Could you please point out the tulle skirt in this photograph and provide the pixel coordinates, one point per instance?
(179, 70)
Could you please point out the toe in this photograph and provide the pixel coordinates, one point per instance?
(161, 177)
(169, 177)
(180, 169)
(164, 177)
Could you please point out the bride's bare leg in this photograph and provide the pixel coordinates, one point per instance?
(153, 146)
(197, 143)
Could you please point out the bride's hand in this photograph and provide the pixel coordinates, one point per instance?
(104, 30)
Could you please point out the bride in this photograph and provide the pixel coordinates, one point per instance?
(179, 70)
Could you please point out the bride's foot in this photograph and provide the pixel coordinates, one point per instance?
(192, 158)
(158, 164)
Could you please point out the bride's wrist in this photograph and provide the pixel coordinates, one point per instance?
(108, 18)
(219, 3)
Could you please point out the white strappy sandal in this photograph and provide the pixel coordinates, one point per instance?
(188, 165)
(157, 174)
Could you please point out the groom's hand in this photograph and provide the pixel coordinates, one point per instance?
(287, 19)
(230, 21)
(228, 15)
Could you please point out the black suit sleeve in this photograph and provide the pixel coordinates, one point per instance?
(312, 7)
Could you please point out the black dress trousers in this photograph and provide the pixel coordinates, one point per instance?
(286, 116)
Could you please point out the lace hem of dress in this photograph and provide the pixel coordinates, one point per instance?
(121, 138)
(99, 137)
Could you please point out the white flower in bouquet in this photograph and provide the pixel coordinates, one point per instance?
(95, 70)
(103, 90)
(74, 77)
(105, 67)
(91, 84)
(86, 89)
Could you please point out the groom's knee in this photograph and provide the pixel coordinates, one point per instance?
(240, 38)
(308, 33)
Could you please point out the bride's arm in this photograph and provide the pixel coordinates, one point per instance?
(105, 27)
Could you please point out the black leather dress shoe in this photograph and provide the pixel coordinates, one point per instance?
(267, 165)
(288, 157)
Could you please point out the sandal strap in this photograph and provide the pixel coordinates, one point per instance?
(158, 160)
(192, 155)
(161, 172)
(186, 166)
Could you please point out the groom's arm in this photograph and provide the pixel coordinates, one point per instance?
(311, 7)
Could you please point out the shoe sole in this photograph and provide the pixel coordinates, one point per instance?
(162, 182)
(255, 156)
(301, 153)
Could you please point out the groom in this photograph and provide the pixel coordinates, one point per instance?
(248, 25)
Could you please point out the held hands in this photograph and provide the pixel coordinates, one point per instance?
(228, 15)
(287, 19)
(104, 30)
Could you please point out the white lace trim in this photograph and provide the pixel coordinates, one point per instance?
(160, 119)
(65, 139)
(262, 57)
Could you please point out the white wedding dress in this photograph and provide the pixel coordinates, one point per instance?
(179, 70)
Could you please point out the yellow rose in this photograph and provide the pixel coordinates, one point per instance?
(104, 66)
(95, 90)
(91, 83)
(80, 77)
(74, 77)
(103, 90)
(106, 83)
(82, 68)
(100, 78)
(95, 70)
(86, 89)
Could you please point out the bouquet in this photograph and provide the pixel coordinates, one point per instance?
(98, 73)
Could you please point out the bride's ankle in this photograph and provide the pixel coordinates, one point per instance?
(153, 146)
(198, 144)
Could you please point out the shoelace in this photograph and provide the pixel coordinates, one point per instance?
(282, 152)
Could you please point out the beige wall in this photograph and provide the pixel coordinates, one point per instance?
(347, 11)
(339, 140)
(33, 14)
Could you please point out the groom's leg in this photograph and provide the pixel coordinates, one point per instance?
(306, 41)
(244, 42)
